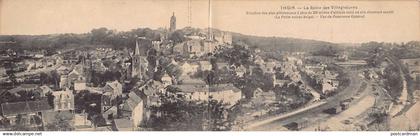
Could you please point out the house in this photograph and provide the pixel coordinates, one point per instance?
(62, 70)
(64, 82)
(189, 68)
(123, 124)
(314, 68)
(112, 89)
(25, 87)
(133, 108)
(81, 122)
(204, 65)
(80, 85)
(294, 76)
(69, 80)
(149, 94)
(30, 111)
(201, 92)
(279, 82)
(227, 93)
(189, 80)
(44, 90)
(63, 100)
(111, 94)
(261, 96)
(240, 71)
(193, 92)
(223, 38)
(193, 47)
(28, 88)
(50, 118)
(3, 72)
(48, 62)
(352, 63)
(293, 60)
(258, 60)
(166, 80)
(328, 86)
(179, 48)
(222, 65)
(269, 66)
(196, 47)
(209, 47)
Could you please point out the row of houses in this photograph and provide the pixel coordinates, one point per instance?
(325, 79)
(33, 113)
(137, 109)
(199, 46)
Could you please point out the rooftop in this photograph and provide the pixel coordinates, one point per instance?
(123, 124)
(25, 107)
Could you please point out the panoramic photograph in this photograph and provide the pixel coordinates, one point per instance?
(209, 65)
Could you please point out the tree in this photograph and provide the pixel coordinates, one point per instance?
(238, 55)
(12, 78)
(98, 35)
(43, 77)
(61, 123)
(20, 124)
(298, 96)
(180, 114)
(393, 81)
(50, 98)
(177, 36)
(55, 77)
(327, 51)
(174, 71)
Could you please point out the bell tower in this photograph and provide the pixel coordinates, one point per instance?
(172, 26)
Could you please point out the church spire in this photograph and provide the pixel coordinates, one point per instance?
(137, 50)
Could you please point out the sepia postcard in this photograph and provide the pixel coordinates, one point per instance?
(209, 65)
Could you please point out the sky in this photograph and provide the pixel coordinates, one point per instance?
(80, 16)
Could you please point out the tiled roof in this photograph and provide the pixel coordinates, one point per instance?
(223, 87)
(123, 123)
(25, 107)
(188, 88)
(132, 101)
(23, 87)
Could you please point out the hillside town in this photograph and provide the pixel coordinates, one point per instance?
(204, 80)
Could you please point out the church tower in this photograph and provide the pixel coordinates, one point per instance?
(138, 64)
(172, 26)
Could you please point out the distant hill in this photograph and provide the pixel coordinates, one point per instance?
(279, 44)
(103, 37)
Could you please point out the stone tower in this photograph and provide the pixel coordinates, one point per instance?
(172, 26)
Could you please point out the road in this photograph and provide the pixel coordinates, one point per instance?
(400, 109)
(283, 119)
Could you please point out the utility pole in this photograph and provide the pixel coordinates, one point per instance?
(189, 13)
(210, 33)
